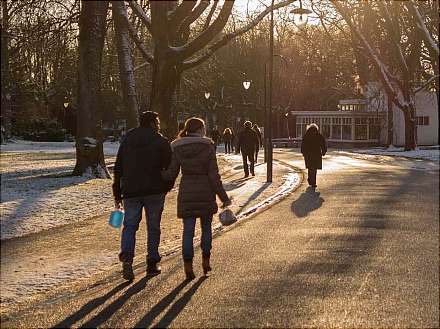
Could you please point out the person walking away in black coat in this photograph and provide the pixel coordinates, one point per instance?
(313, 148)
(248, 144)
(141, 157)
(227, 139)
(215, 136)
(260, 141)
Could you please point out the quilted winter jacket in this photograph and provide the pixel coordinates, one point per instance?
(200, 182)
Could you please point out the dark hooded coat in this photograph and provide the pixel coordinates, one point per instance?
(313, 148)
(142, 155)
(200, 182)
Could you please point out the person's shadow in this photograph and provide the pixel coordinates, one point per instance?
(308, 201)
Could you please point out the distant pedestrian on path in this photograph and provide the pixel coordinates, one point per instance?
(143, 153)
(260, 141)
(313, 148)
(215, 135)
(227, 139)
(194, 154)
(248, 145)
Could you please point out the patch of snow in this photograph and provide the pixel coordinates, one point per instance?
(17, 145)
(90, 141)
(37, 195)
(426, 154)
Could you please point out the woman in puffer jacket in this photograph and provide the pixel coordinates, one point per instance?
(194, 154)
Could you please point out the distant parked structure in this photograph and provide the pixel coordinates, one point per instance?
(362, 122)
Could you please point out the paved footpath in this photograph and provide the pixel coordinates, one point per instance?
(362, 252)
(44, 264)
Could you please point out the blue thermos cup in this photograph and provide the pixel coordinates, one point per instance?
(116, 218)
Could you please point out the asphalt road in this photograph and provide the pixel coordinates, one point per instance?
(363, 252)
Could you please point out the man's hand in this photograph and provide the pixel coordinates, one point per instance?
(118, 204)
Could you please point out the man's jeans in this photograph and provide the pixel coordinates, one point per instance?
(153, 205)
(189, 225)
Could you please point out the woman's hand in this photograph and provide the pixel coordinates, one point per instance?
(226, 203)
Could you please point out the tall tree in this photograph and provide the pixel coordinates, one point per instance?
(126, 72)
(5, 79)
(89, 139)
(178, 48)
(398, 70)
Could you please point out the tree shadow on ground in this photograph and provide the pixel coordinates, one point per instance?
(308, 201)
(174, 310)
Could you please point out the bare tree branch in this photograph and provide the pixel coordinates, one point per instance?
(141, 14)
(206, 36)
(422, 26)
(427, 83)
(133, 34)
(211, 13)
(384, 72)
(179, 14)
(229, 36)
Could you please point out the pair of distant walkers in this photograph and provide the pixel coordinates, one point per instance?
(146, 168)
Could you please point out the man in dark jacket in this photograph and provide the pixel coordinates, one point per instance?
(143, 153)
(313, 148)
(248, 144)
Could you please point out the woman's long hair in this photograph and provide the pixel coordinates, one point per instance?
(227, 131)
(192, 126)
(312, 129)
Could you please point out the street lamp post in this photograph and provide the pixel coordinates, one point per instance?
(301, 15)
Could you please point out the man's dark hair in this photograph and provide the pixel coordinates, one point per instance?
(147, 118)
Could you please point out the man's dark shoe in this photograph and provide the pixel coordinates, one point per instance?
(153, 267)
(253, 174)
(127, 271)
(246, 175)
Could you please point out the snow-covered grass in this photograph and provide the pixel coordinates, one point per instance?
(37, 192)
(432, 154)
(18, 145)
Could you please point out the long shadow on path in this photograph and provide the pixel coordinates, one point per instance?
(89, 307)
(174, 310)
(307, 202)
(109, 310)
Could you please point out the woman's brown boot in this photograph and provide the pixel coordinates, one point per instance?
(189, 272)
(205, 264)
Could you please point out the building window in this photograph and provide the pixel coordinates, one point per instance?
(361, 129)
(299, 130)
(336, 128)
(422, 121)
(346, 128)
(325, 129)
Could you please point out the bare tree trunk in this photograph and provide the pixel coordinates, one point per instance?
(390, 125)
(5, 83)
(165, 79)
(89, 139)
(125, 64)
(410, 141)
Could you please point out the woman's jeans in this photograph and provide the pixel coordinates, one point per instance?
(228, 147)
(189, 225)
(153, 205)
